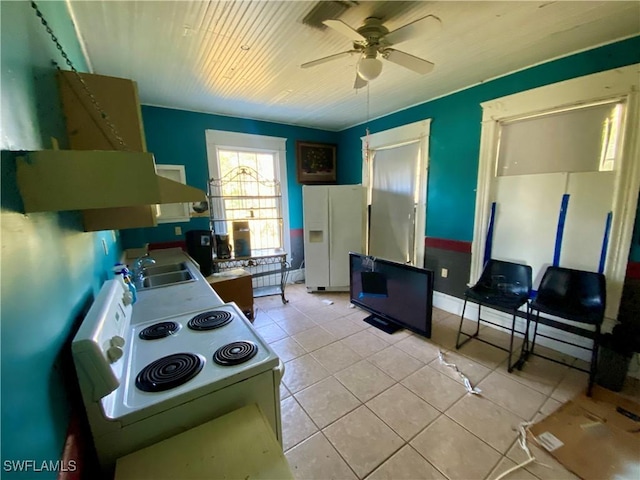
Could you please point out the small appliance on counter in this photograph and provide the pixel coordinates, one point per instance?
(241, 239)
(200, 248)
(223, 249)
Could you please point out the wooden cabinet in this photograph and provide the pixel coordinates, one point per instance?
(118, 97)
(86, 130)
(56, 180)
(235, 286)
(107, 174)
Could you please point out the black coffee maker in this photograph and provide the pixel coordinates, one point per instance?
(223, 248)
(200, 248)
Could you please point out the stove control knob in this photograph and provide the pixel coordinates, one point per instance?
(117, 341)
(114, 354)
(127, 298)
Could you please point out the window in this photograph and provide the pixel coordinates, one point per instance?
(605, 104)
(611, 138)
(578, 139)
(250, 193)
(247, 170)
(172, 212)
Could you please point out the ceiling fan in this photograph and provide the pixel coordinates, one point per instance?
(373, 41)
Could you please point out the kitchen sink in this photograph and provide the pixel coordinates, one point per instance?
(159, 269)
(164, 279)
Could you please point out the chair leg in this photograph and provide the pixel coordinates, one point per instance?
(524, 349)
(513, 328)
(469, 337)
(464, 307)
(535, 333)
(594, 360)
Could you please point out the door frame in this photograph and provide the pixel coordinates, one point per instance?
(396, 137)
(618, 83)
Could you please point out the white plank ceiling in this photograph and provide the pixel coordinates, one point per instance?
(243, 58)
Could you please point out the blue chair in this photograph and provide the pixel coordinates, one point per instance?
(503, 286)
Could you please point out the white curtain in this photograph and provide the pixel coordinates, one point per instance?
(393, 187)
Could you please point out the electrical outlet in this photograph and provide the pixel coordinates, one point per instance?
(105, 247)
(444, 273)
(178, 230)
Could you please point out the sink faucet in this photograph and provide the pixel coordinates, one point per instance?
(140, 263)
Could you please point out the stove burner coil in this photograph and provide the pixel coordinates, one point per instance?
(159, 330)
(210, 320)
(235, 353)
(169, 372)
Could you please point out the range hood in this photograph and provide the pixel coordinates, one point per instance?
(57, 180)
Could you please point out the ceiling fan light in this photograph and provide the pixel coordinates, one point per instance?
(369, 68)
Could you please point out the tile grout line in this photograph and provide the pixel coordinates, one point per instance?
(398, 382)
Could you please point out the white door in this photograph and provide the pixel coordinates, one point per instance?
(346, 230)
(315, 202)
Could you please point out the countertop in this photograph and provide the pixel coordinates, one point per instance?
(168, 301)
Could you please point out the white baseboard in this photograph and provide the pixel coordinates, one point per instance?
(454, 305)
(327, 289)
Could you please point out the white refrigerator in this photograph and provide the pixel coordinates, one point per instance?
(334, 224)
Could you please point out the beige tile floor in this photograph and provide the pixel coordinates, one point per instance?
(358, 403)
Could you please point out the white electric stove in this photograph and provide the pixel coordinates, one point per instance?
(146, 382)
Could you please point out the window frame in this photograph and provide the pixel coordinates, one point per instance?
(186, 209)
(224, 140)
(603, 86)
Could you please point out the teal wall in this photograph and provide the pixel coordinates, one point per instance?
(50, 268)
(178, 137)
(455, 135)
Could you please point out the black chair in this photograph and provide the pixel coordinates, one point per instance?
(503, 286)
(574, 295)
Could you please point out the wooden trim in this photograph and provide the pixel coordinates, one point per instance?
(78, 458)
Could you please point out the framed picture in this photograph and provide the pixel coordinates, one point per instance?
(316, 163)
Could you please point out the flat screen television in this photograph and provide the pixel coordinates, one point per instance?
(397, 295)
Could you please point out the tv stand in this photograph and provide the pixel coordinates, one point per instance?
(384, 325)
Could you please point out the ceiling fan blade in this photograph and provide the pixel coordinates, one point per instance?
(359, 82)
(406, 60)
(411, 30)
(322, 60)
(341, 27)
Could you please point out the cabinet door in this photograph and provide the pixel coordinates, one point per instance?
(118, 97)
(87, 131)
